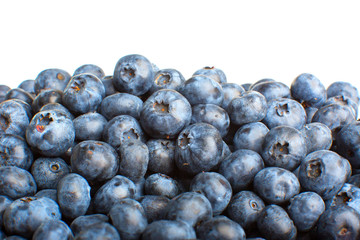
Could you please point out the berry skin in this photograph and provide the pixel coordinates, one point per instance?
(348, 143)
(52, 78)
(317, 136)
(214, 73)
(162, 185)
(89, 126)
(345, 89)
(134, 159)
(4, 204)
(305, 209)
(26, 214)
(161, 156)
(231, 91)
(121, 129)
(275, 224)
(73, 194)
(240, 168)
(128, 217)
(308, 90)
(284, 147)
(272, 90)
(101, 230)
(245, 208)
(168, 230)
(18, 93)
(90, 68)
(276, 185)
(83, 94)
(121, 104)
(45, 97)
(189, 207)
(54, 230)
(133, 74)
(340, 222)
(155, 207)
(14, 151)
(250, 136)
(324, 172)
(214, 229)
(16, 182)
(202, 89)
(249, 107)
(14, 118)
(165, 113)
(215, 188)
(167, 79)
(47, 172)
(119, 187)
(198, 148)
(50, 133)
(96, 161)
(84, 222)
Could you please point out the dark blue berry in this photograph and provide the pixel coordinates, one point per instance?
(52, 78)
(90, 68)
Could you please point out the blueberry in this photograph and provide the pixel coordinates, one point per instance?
(231, 91)
(26, 214)
(54, 230)
(161, 155)
(165, 113)
(154, 206)
(310, 112)
(89, 126)
(305, 209)
(3, 90)
(190, 207)
(348, 195)
(168, 230)
(272, 90)
(344, 100)
(263, 80)
(215, 188)
(134, 159)
(324, 172)
(128, 217)
(83, 94)
(57, 106)
(49, 193)
(214, 73)
(112, 191)
(284, 147)
(162, 185)
(276, 185)
(345, 89)
(101, 230)
(82, 223)
(340, 222)
(52, 78)
(45, 97)
(167, 79)
(214, 228)
(4, 204)
(96, 161)
(14, 151)
(240, 168)
(133, 74)
(317, 136)
(90, 68)
(249, 107)
(121, 104)
(347, 141)
(50, 133)
(308, 90)
(250, 136)
(202, 89)
(18, 93)
(275, 223)
(245, 208)
(284, 111)
(47, 172)
(16, 182)
(73, 194)
(198, 148)
(335, 116)
(211, 114)
(29, 86)
(108, 85)
(13, 118)
(121, 129)
(355, 180)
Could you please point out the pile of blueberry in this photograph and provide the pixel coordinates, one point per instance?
(146, 154)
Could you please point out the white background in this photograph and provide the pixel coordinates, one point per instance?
(248, 40)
